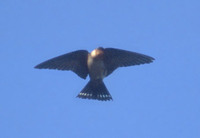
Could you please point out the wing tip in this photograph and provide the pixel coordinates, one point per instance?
(40, 67)
(152, 58)
(36, 67)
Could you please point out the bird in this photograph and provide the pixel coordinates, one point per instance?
(98, 64)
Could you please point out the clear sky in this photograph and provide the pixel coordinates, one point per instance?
(158, 100)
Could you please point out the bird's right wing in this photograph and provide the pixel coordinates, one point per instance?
(115, 58)
(75, 61)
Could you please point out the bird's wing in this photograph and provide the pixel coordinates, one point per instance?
(75, 61)
(115, 58)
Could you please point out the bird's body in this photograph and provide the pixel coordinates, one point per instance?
(100, 63)
(96, 66)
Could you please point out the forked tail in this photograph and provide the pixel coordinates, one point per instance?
(95, 89)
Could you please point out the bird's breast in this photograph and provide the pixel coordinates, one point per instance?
(96, 68)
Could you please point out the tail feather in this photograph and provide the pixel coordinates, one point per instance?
(95, 89)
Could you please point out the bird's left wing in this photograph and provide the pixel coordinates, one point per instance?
(115, 58)
(75, 61)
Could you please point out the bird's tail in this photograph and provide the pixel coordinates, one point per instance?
(95, 89)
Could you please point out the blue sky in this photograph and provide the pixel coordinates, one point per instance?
(158, 100)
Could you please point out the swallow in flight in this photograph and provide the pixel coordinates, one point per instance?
(100, 63)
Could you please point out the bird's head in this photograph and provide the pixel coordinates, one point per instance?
(97, 53)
